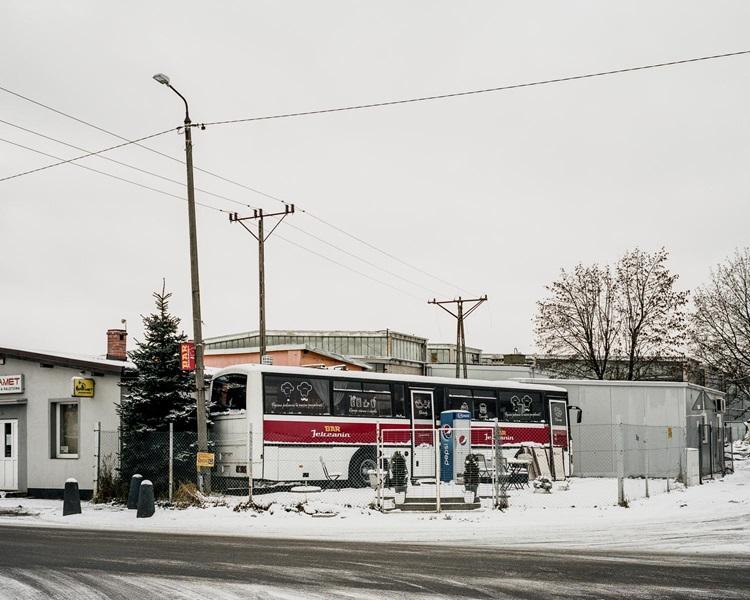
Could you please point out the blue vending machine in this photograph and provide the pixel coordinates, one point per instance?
(455, 442)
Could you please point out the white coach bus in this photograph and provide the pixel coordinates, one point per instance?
(304, 419)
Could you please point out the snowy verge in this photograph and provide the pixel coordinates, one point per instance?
(711, 518)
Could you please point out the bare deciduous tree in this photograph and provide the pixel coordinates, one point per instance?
(651, 310)
(601, 325)
(720, 325)
(578, 321)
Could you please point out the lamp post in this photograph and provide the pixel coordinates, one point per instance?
(194, 280)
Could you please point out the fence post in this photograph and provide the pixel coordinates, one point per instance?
(171, 460)
(501, 484)
(645, 444)
(378, 473)
(700, 453)
(250, 462)
(711, 449)
(98, 446)
(436, 438)
(620, 438)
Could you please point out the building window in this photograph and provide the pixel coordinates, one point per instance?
(66, 432)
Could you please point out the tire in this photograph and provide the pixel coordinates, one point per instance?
(362, 461)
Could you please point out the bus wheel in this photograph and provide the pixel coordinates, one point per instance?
(362, 462)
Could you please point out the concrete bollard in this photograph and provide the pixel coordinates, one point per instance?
(135, 486)
(146, 500)
(71, 498)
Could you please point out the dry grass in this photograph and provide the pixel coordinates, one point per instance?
(187, 495)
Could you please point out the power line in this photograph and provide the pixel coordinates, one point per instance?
(243, 186)
(216, 208)
(76, 158)
(501, 88)
(348, 268)
(121, 163)
(123, 179)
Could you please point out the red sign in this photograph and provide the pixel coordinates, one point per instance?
(187, 356)
(560, 438)
(364, 432)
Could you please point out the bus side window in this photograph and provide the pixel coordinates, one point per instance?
(459, 399)
(229, 392)
(399, 405)
(485, 405)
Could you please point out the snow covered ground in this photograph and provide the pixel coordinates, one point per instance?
(711, 518)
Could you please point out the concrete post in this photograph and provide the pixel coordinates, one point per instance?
(620, 441)
(146, 500)
(71, 498)
(135, 486)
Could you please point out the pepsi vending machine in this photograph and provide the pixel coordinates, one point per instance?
(455, 442)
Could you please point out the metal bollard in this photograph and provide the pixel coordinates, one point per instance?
(135, 486)
(146, 500)
(71, 498)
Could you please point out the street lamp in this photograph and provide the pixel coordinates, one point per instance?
(194, 280)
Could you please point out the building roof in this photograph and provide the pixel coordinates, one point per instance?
(315, 333)
(286, 347)
(66, 359)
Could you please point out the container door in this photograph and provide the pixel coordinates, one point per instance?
(558, 424)
(9, 455)
(422, 438)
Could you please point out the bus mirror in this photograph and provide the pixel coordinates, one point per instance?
(579, 412)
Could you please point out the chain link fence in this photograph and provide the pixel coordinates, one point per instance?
(650, 459)
(402, 469)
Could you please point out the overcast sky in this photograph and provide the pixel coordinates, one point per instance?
(491, 193)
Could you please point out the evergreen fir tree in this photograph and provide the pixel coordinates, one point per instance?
(157, 390)
(156, 393)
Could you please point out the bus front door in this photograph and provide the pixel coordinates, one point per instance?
(422, 437)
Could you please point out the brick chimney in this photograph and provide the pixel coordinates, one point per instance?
(117, 344)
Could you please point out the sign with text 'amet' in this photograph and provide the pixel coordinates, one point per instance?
(11, 384)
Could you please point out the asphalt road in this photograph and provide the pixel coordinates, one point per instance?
(80, 564)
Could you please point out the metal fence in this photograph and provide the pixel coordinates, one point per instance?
(401, 469)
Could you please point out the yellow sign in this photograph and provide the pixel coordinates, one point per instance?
(83, 387)
(669, 433)
(205, 460)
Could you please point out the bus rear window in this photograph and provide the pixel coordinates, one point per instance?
(229, 392)
(294, 395)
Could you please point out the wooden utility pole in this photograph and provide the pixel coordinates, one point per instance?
(460, 316)
(259, 215)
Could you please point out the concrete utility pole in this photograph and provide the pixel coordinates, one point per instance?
(460, 316)
(259, 215)
(200, 389)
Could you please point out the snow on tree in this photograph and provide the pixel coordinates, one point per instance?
(157, 390)
(613, 323)
(720, 324)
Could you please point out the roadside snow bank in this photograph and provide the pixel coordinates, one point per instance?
(711, 518)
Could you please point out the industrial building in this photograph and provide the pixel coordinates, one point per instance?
(386, 351)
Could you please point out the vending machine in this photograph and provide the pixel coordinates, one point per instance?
(455, 443)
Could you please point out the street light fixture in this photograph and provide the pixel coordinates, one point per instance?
(200, 390)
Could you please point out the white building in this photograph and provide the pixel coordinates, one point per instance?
(50, 405)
